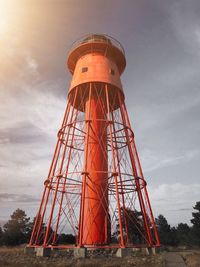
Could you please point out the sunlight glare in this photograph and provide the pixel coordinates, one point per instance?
(4, 16)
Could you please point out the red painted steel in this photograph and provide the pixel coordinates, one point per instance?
(96, 195)
(95, 189)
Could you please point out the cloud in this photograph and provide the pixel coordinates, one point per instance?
(31, 119)
(183, 209)
(153, 161)
(10, 202)
(161, 84)
(184, 16)
(22, 133)
(31, 63)
(17, 64)
(197, 34)
(17, 198)
(175, 201)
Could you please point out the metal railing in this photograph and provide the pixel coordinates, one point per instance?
(97, 38)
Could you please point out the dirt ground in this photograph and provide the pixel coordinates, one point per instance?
(15, 257)
(191, 258)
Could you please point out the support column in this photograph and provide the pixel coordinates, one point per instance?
(95, 211)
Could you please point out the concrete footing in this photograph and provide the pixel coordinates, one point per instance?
(121, 252)
(145, 251)
(80, 253)
(29, 251)
(153, 251)
(149, 251)
(43, 252)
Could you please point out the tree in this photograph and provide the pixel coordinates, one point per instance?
(17, 229)
(163, 229)
(66, 239)
(132, 219)
(196, 224)
(183, 234)
(196, 215)
(1, 236)
(135, 226)
(40, 232)
(166, 234)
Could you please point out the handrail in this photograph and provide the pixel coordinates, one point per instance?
(97, 38)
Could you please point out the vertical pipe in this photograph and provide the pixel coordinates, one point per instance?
(81, 216)
(95, 204)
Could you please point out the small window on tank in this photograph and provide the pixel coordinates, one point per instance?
(112, 72)
(84, 69)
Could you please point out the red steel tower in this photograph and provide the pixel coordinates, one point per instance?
(95, 187)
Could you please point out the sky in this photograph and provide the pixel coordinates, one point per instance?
(161, 83)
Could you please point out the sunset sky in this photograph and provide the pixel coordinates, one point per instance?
(161, 82)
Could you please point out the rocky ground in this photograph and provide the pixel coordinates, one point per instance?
(15, 257)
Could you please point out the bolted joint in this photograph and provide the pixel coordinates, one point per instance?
(110, 122)
(46, 182)
(70, 124)
(85, 173)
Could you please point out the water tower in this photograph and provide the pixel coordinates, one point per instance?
(95, 189)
